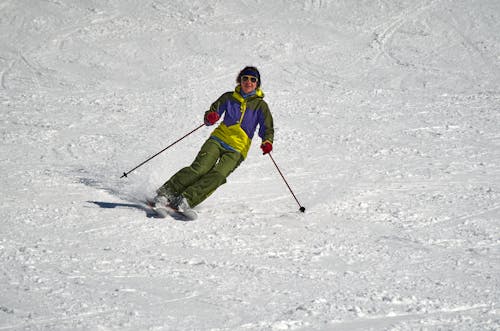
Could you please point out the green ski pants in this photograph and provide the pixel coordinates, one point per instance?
(209, 170)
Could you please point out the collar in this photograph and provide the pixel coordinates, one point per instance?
(258, 92)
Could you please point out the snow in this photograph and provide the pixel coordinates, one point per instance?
(387, 118)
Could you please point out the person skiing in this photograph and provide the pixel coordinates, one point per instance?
(228, 145)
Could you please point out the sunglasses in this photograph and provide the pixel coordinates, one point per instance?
(249, 78)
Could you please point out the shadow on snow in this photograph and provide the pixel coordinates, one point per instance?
(112, 205)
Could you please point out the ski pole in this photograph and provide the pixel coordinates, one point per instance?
(152, 157)
(302, 208)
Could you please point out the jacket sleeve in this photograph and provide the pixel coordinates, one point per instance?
(219, 105)
(266, 126)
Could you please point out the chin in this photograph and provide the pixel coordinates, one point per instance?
(247, 90)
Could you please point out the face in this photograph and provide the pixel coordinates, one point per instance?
(248, 84)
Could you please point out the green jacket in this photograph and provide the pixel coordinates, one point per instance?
(241, 117)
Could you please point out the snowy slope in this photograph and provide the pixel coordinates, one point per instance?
(387, 127)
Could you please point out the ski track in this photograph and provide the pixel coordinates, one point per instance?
(386, 129)
(383, 38)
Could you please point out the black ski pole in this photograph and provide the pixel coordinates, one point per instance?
(163, 150)
(302, 208)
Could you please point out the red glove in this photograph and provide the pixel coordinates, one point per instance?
(266, 147)
(211, 118)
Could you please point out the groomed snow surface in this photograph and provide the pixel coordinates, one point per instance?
(387, 128)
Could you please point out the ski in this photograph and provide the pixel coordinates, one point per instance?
(168, 211)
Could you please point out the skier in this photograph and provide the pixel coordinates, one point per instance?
(243, 109)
